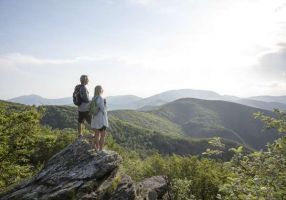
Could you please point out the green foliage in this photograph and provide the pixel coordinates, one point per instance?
(181, 189)
(146, 120)
(278, 123)
(24, 145)
(259, 175)
(146, 141)
(17, 132)
(59, 116)
(218, 146)
(50, 142)
(237, 150)
(114, 183)
(203, 176)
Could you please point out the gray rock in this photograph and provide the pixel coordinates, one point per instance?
(153, 188)
(77, 172)
(125, 190)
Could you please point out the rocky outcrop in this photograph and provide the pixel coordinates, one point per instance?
(153, 188)
(79, 172)
(150, 189)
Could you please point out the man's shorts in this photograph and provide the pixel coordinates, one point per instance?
(84, 116)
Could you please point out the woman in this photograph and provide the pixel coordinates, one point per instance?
(99, 121)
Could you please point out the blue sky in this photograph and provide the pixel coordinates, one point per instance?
(142, 47)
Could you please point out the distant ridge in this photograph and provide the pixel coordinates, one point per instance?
(172, 95)
(38, 100)
(262, 104)
(279, 99)
(133, 102)
(122, 102)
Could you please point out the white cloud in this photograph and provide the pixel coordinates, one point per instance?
(22, 59)
(166, 6)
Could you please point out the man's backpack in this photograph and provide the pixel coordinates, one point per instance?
(93, 107)
(76, 95)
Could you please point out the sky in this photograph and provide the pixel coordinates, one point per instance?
(142, 47)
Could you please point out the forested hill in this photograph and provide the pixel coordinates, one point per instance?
(207, 118)
(140, 131)
(184, 117)
(175, 122)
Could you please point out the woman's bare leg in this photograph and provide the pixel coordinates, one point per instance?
(102, 140)
(96, 139)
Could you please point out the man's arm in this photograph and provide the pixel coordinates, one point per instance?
(84, 94)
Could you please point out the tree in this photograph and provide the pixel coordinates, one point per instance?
(25, 145)
(260, 175)
(18, 131)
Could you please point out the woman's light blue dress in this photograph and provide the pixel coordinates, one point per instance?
(100, 119)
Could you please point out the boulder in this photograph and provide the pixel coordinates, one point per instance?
(153, 188)
(79, 172)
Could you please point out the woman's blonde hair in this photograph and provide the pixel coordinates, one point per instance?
(97, 90)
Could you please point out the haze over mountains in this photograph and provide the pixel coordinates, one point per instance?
(134, 102)
(38, 100)
(280, 99)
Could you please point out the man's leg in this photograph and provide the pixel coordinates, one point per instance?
(79, 128)
(84, 116)
(80, 123)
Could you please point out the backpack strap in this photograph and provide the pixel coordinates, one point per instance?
(84, 97)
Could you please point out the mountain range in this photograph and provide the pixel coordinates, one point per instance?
(38, 100)
(187, 120)
(280, 99)
(138, 103)
(183, 126)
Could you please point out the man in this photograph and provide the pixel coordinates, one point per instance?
(83, 112)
